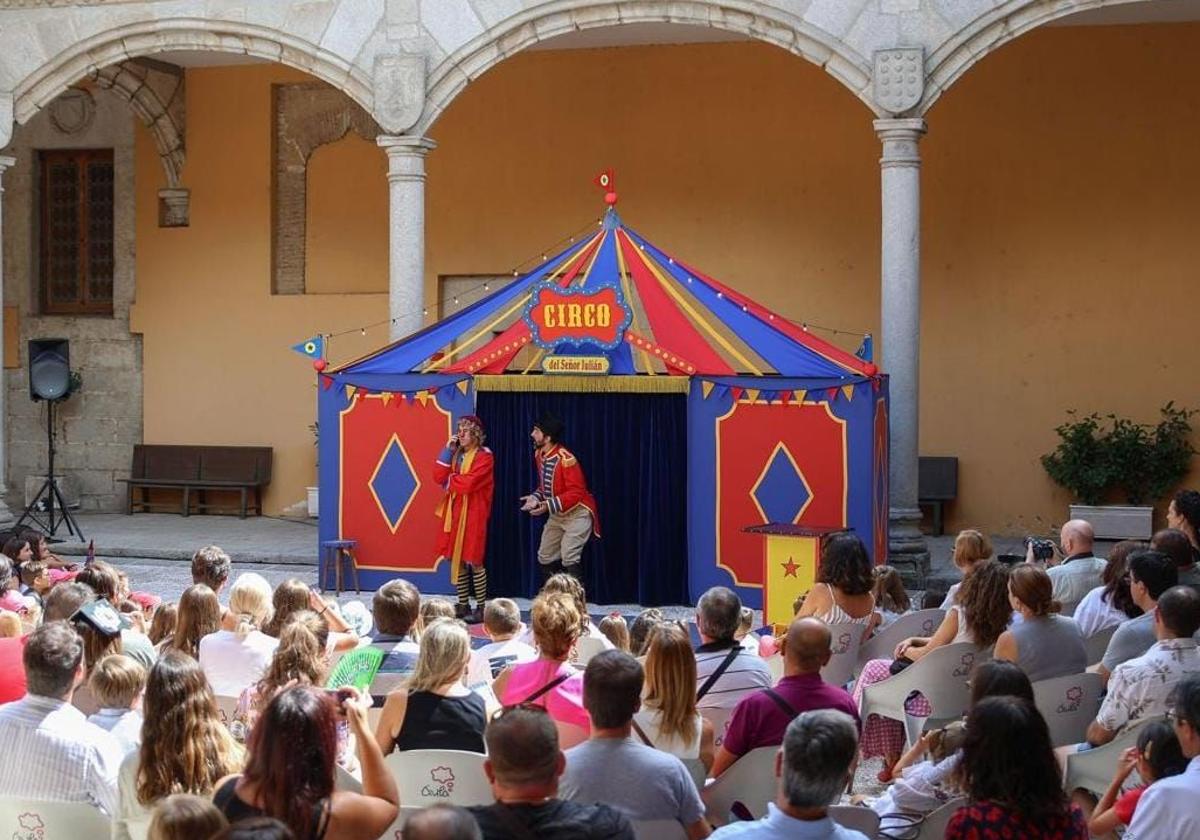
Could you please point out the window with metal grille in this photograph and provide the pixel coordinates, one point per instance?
(76, 231)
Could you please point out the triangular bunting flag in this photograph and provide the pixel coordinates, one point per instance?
(737, 393)
(314, 347)
(876, 384)
(799, 396)
(386, 396)
(423, 397)
(409, 397)
(706, 388)
(848, 390)
(350, 392)
(752, 394)
(831, 393)
(326, 383)
(867, 349)
(463, 385)
(785, 397)
(770, 396)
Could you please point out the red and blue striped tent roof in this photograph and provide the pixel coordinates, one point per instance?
(684, 323)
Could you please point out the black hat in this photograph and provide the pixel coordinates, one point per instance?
(101, 616)
(551, 425)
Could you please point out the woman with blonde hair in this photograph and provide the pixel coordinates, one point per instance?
(234, 659)
(299, 657)
(435, 711)
(549, 681)
(971, 548)
(199, 615)
(185, 745)
(668, 719)
(1044, 643)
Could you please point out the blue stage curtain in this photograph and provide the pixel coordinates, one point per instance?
(633, 449)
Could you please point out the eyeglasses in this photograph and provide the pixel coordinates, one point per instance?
(524, 706)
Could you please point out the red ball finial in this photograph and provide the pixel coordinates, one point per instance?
(610, 198)
(869, 369)
(319, 365)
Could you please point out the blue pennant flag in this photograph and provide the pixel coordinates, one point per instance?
(314, 347)
(866, 350)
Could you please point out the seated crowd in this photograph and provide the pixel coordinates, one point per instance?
(208, 717)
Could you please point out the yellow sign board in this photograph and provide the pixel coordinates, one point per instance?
(791, 571)
(576, 365)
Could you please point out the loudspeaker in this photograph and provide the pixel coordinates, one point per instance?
(49, 368)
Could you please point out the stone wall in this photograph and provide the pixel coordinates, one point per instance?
(98, 426)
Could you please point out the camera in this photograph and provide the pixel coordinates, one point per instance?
(1043, 550)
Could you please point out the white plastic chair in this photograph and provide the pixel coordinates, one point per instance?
(845, 640)
(855, 818)
(749, 780)
(1093, 769)
(941, 676)
(775, 666)
(1068, 704)
(21, 818)
(432, 777)
(719, 718)
(343, 779)
(226, 706)
(883, 644)
(1097, 644)
(934, 826)
(659, 830)
(585, 648)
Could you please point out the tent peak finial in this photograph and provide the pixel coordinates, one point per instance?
(611, 220)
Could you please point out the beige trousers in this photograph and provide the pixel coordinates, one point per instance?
(565, 535)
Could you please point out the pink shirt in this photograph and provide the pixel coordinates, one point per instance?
(564, 702)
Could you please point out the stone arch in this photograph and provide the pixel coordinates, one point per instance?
(990, 31)
(157, 98)
(144, 38)
(772, 26)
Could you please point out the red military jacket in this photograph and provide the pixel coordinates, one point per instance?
(464, 511)
(561, 483)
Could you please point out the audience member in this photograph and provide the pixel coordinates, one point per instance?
(41, 551)
(568, 584)
(743, 635)
(1110, 603)
(441, 822)
(163, 624)
(435, 711)
(668, 719)
(813, 767)
(117, 683)
(652, 785)
(299, 658)
(1156, 756)
(762, 718)
(396, 610)
(1170, 808)
(1176, 545)
(502, 624)
(185, 746)
(971, 548)
(1043, 643)
(523, 765)
(185, 816)
(1079, 572)
(432, 608)
(302, 721)
(615, 629)
(11, 626)
(10, 595)
(211, 566)
(725, 671)
(549, 681)
(843, 593)
(234, 659)
(639, 630)
(891, 598)
(105, 583)
(979, 614)
(1151, 573)
(1012, 781)
(18, 550)
(255, 828)
(51, 752)
(99, 625)
(35, 580)
(1183, 514)
(1141, 687)
(293, 596)
(199, 615)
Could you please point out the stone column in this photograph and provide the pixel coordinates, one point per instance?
(901, 321)
(406, 231)
(6, 517)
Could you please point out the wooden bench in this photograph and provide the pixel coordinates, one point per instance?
(937, 483)
(198, 468)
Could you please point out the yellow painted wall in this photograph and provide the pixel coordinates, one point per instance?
(1057, 249)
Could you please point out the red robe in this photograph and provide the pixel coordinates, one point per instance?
(464, 510)
(561, 483)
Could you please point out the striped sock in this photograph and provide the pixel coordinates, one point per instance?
(479, 576)
(463, 584)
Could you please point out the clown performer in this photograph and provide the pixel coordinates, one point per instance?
(465, 469)
(563, 494)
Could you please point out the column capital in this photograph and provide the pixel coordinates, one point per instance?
(402, 145)
(900, 138)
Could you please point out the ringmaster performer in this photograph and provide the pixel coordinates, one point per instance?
(563, 494)
(465, 469)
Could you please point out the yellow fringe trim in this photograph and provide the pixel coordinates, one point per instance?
(585, 384)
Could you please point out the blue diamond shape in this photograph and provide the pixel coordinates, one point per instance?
(781, 492)
(394, 483)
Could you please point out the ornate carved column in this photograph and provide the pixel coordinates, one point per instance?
(6, 517)
(901, 322)
(406, 231)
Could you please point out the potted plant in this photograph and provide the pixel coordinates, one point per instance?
(314, 492)
(1101, 458)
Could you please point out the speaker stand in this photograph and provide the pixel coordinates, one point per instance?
(49, 495)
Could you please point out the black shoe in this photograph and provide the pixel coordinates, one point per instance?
(476, 616)
(574, 571)
(462, 610)
(549, 570)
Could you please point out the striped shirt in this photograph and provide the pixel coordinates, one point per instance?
(52, 753)
(747, 674)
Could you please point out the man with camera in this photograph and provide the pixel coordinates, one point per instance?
(1079, 572)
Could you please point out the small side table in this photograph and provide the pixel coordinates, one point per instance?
(334, 553)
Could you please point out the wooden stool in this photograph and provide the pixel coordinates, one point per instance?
(333, 553)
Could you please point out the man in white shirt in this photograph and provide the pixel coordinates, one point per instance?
(725, 671)
(1080, 571)
(51, 752)
(1170, 808)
